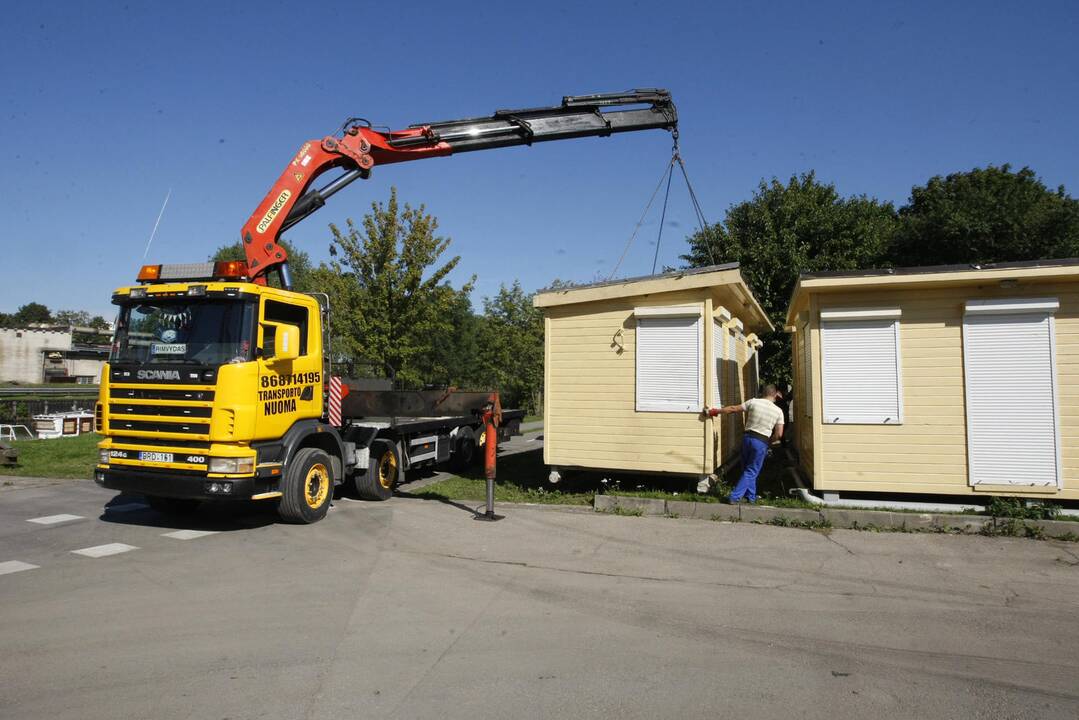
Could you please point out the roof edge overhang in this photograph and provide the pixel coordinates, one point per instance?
(808, 284)
(694, 279)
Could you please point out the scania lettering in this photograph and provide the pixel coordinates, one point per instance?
(219, 386)
(158, 374)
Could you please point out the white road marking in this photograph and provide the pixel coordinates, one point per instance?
(103, 550)
(188, 534)
(53, 519)
(14, 566)
(128, 507)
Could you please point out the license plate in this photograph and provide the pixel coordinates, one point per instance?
(155, 457)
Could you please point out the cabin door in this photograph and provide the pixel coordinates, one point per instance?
(1013, 435)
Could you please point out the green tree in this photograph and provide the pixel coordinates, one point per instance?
(79, 318)
(32, 313)
(787, 229)
(299, 264)
(512, 341)
(456, 360)
(393, 303)
(986, 215)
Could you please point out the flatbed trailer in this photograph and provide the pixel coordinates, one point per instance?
(425, 428)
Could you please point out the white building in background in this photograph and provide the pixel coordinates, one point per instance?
(47, 354)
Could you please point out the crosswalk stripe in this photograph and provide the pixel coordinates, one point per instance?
(188, 534)
(14, 566)
(54, 519)
(98, 551)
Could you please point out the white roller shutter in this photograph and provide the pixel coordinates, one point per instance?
(1010, 368)
(669, 372)
(718, 332)
(860, 367)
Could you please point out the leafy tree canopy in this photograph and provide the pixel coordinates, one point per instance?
(32, 313)
(392, 301)
(986, 215)
(512, 342)
(79, 318)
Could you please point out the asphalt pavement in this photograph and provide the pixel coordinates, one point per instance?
(412, 609)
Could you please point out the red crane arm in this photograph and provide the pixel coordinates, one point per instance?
(292, 198)
(360, 149)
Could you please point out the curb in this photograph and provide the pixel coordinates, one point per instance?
(837, 517)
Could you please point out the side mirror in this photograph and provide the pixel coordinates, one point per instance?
(280, 341)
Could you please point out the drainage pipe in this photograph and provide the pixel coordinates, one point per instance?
(803, 492)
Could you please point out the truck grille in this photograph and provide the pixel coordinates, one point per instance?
(164, 427)
(155, 394)
(177, 411)
(161, 399)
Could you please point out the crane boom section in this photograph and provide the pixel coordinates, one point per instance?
(361, 147)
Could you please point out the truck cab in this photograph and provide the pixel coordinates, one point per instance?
(208, 376)
(219, 388)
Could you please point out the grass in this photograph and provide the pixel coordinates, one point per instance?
(522, 478)
(532, 418)
(70, 457)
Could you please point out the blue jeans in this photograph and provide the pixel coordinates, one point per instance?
(754, 450)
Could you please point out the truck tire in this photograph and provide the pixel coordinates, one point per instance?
(172, 506)
(307, 488)
(383, 472)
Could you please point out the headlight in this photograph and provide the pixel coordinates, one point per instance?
(232, 465)
(103, 457)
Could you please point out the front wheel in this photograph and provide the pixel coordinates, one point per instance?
(383, 472)
(307, 488)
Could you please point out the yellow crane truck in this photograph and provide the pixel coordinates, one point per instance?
(219, 386)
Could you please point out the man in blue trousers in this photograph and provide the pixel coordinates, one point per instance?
(763, 426)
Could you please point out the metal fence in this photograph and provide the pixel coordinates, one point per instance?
(20, 412)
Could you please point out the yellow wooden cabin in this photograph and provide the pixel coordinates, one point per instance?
(630, 364)
(952, 381)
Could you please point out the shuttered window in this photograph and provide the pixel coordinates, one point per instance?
(718, 333)
(860, 367)
(669, 356)
(1011, 394)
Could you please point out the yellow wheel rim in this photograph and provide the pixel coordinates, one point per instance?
(317, 486)
(387, 469)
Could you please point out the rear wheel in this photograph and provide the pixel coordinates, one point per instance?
(307, 488)
(172, 506)
(383, 472)
(464, 451)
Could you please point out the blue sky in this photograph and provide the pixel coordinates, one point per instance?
(106, 106)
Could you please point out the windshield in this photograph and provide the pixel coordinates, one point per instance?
(202, 332)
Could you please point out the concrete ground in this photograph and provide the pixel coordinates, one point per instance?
(411, 609)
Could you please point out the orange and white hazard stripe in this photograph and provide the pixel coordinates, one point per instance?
(335, 401)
